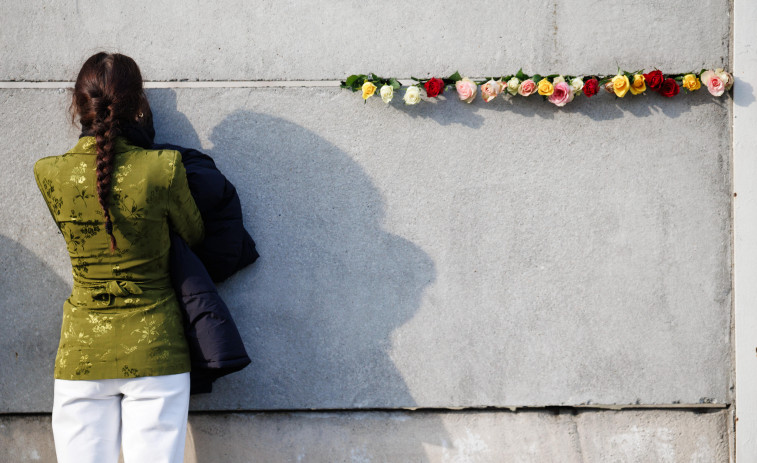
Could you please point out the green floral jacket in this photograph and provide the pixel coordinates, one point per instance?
(122, 319)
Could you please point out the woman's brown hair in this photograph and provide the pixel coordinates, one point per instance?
(108, 95)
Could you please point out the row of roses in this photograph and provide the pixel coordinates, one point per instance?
(558, 89)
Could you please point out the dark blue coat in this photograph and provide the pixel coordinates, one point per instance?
(215, 346)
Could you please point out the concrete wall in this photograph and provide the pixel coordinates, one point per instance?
(442, 255)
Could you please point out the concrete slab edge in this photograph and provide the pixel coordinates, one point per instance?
(745, 228)
(481, 436)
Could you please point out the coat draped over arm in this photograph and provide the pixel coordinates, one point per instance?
(215, 345)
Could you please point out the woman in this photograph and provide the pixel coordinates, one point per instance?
(121, 371)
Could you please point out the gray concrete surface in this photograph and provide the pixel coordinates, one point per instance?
(660, 436)
(440, 255)
(280, 40)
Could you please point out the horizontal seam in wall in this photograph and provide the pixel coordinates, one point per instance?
(198, 84)
(698, 408)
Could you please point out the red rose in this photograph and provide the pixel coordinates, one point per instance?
(434, 87)
(654, 79)
(669, 88)
(591, 87)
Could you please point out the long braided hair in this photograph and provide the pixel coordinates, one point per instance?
(108, 95)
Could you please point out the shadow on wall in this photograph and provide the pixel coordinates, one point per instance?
(318, 309)
(31, 297)
(601, 107)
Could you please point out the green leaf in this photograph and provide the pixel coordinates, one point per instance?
(536, 78)
(356, 81)
(394, 83)
(351, 80)
(455, 77)
(520, 75)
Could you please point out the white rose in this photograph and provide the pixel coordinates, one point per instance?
(412, 95)
(725, 77)
(706, 76)
(557, 80)
(387, 92)
(577, 84)
(512, 86)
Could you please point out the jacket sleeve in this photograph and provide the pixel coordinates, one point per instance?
(46, 190)
(183, 214)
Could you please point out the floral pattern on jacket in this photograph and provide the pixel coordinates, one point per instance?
(122, 318)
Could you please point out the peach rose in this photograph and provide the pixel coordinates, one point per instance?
(490, 90)
(527, 87)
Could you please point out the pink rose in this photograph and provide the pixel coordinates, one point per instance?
(466, 89)
(527, 87)
(714, 83)
(562, 95)
(490, 90)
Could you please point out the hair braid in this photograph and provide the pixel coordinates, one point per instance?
(108, 97)
(106, 129)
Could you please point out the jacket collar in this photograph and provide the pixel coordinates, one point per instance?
(132, 136)
(86, 145)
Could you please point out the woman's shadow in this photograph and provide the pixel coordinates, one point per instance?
(32, 295)
(318, 309)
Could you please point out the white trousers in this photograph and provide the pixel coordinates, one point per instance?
(148, 415)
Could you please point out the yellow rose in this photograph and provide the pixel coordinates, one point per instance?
(691, 83)
(638, 85)
(620, 85)
(545, 87)
(368, 90)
